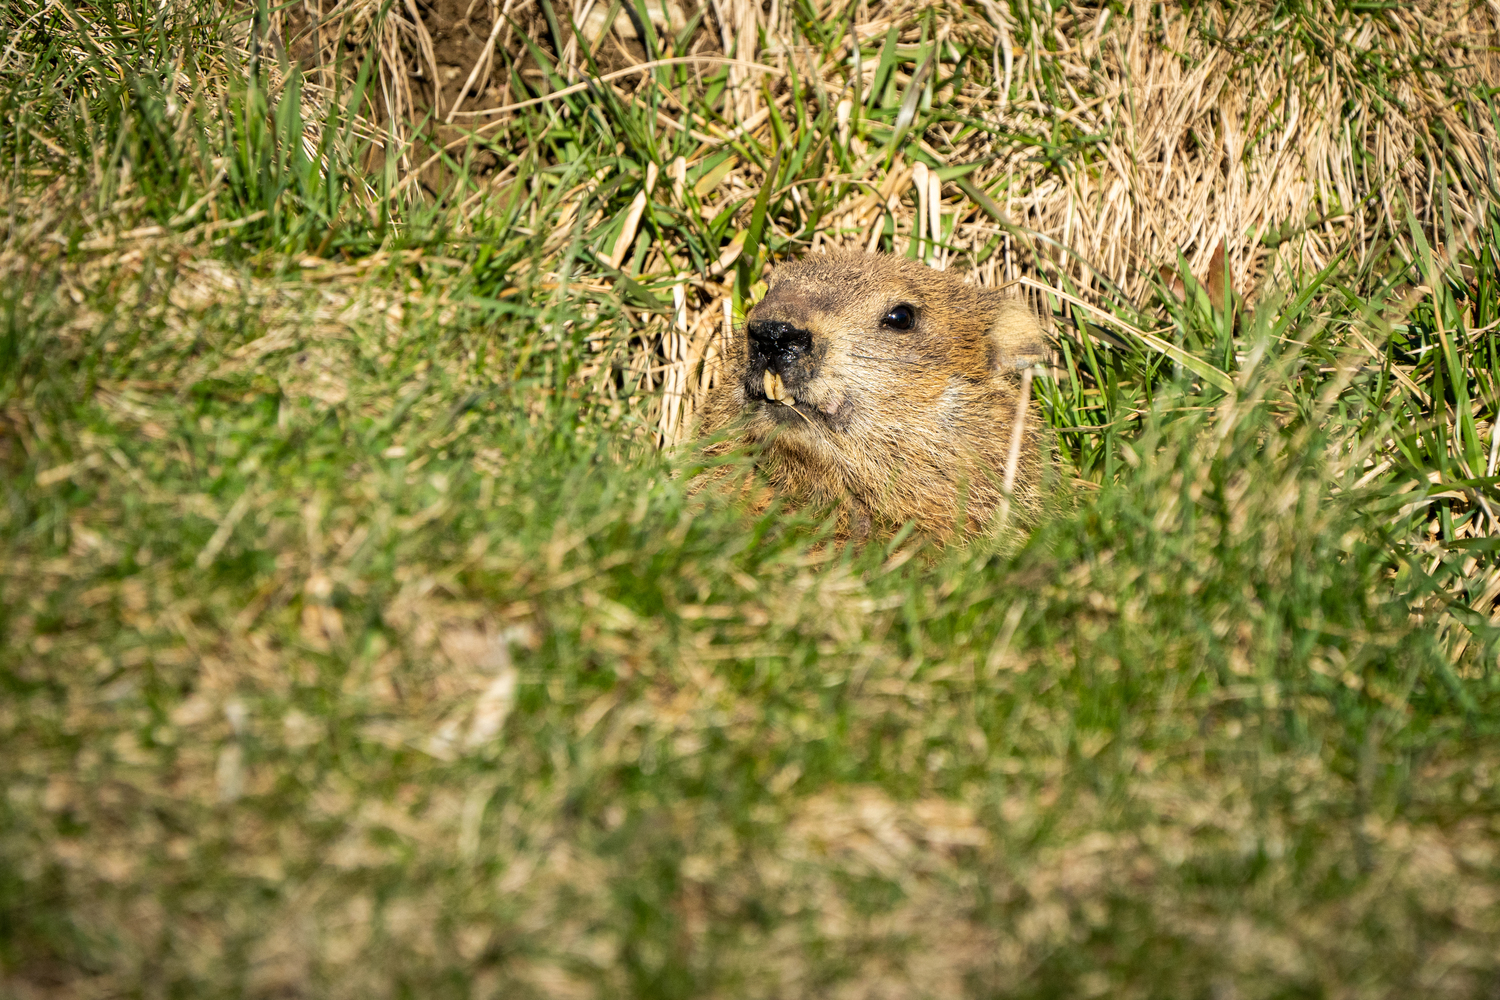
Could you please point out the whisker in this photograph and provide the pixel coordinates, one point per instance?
(900, 361)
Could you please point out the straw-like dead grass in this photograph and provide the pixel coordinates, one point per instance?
(1101, 145)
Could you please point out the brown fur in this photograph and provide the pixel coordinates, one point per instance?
(890, 425)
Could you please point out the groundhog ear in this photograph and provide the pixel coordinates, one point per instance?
(1015, 332)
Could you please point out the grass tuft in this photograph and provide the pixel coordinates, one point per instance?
(362, 634)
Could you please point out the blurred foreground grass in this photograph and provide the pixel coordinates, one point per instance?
(359, 643)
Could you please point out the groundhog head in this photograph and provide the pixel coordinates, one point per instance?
(884, 385)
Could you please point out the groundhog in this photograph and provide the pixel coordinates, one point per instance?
(887, 389)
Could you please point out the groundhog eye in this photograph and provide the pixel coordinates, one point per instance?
(899, 317)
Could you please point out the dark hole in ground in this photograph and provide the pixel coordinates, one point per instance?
(448, 74)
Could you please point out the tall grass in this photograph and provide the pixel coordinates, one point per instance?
(359, 639)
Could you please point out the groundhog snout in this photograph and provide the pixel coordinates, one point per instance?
(779, 360)
(777, 346)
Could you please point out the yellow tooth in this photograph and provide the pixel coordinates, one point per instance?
(776, 389)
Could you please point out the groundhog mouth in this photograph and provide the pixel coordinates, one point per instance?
(780, 377)
(774, 388)
(789, 414)
(769, 395)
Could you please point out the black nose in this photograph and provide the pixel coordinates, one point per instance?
(776, 345)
